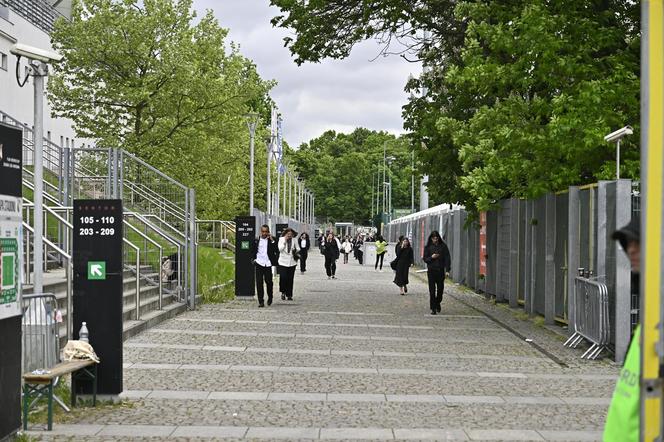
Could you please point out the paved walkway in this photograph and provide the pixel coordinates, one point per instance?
(351, 359)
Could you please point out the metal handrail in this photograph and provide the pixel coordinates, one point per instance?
(161, 257)
(137, 250)
(68, 275)
(163, 235)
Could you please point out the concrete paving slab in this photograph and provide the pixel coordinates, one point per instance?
(504, 435)
(564, 435)
(357, 433)
(238, 396)
(282, 433)
(210, 432)
(176, 394)
(343, 397)
(429, 434)
(137, 430)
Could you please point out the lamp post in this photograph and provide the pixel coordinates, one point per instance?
(616, 137)
(252, 120)
(38, 69)
(268, 147)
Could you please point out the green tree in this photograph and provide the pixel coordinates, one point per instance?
(345, 171)
(516, 95)
(152, 78)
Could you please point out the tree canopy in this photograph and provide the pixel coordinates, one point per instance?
(151, 77)
(516, 96)
(345, 172)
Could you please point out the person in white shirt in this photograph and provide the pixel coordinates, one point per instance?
(305, 243)
(289, 254)
(265, 254)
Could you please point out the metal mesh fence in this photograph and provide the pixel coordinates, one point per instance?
(532, 245)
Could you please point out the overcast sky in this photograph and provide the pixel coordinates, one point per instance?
(335, 94)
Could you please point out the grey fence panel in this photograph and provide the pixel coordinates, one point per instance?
(539, 254)
(503, 230)
(561, 267)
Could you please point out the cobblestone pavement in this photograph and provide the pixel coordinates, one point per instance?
(350, 359)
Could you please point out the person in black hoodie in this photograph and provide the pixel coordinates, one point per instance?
(264, 255)
(437, 256)
(405, 260)
(331, 252)
(305, 243)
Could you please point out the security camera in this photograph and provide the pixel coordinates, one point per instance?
(33, 53)
(620, 133)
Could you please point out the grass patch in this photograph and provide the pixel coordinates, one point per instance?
(538, 321)
(215, 270)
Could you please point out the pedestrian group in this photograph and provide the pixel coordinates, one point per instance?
(285, 252)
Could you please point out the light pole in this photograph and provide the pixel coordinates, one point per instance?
(252, 120)
(38, 69)
(616, 137)
(268, 207)
(412, 181)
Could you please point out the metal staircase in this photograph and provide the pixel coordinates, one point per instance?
(159, 222)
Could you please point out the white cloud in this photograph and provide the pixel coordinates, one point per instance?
(334, 94)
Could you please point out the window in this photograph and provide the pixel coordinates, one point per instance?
(3, 61)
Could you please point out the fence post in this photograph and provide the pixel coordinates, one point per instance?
(529, 298)
(549, 263)
(513, 296)
(193, 258)
(601, 233)
(573, 253)
(623, 272)
(457, 225)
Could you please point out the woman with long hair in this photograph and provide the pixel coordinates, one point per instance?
(331, 252)
(381, 250)
(288, 255)
(405, 259)
(305, 243)
(437, 256)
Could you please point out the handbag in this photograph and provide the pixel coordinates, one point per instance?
(393, 264)
(296, 255)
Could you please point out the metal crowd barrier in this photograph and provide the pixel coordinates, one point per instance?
(591, 321)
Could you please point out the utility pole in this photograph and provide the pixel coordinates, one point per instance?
(252, 120)
(412, 181)
(268, 207)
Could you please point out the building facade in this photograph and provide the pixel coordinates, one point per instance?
(30, 22)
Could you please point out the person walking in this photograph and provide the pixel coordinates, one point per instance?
(437, 256)
(381, 249)
(398, 245)
(346, 248)
(331, 252)
(358, 249)
(305, 244)
(288, 255)
(264, 255)
(405, 259)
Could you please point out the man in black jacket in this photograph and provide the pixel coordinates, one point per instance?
(264, 255)
(437, 256)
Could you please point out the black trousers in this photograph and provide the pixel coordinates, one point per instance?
(304, 254)
(345, 258)
(330, 266)
(360, 255)
(263, 274)
(286, 277)
(380, 258)
(436, 279)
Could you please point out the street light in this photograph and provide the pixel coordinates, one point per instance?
(38, 69)
(616, 137)
(252, 121)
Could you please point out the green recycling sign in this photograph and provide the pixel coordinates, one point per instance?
(96, 270)
(9, 271)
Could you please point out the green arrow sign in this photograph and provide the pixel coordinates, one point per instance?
(96, 270)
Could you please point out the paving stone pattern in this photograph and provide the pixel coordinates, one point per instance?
(350, 359)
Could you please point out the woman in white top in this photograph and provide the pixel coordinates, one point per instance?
(288, 255)
(346, 248)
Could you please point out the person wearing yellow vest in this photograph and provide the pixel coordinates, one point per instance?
(381, 249)
(623, 418)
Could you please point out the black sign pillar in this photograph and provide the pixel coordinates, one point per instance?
(11, 244)
(98, 287)
(245, 234)
(280, 229)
